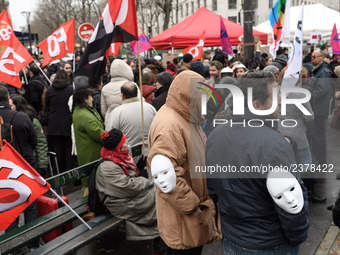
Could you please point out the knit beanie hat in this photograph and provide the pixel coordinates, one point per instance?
(165, 79)
(113, 140)
(187, 58)
(197, 67)
(271, 68)
(171, 66)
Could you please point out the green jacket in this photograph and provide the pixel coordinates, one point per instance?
(88, 126)
(40, 151)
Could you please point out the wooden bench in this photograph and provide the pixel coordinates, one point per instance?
(37, 228)
(72, 240)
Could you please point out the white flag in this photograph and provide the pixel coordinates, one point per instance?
(286, 26)
(294, 64)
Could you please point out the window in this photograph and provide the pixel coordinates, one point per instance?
(205, 3)
(270, 4)
(198, 4)
(187, 9)
(254, 4)
(232, 18)
(232, 4)
(192, 7)
(214, 5)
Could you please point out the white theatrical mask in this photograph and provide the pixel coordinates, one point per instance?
(163, 173)
(285, 191)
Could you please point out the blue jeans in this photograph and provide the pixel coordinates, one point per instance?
(304, 157)
(231, 248)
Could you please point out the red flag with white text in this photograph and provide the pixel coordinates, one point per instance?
(20, 185)
(14, 56)
(196, 50)
(59, 43)
(114, 49)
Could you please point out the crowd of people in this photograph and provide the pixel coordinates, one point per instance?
(82, 122)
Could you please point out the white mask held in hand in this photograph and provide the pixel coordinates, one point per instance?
(163, 173)
(285, 191)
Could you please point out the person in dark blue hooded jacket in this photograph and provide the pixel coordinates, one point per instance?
(250, 219)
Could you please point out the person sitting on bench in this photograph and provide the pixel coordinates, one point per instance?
(125, 195)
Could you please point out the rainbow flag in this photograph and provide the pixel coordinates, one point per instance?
(277, 21)
(335, 41)
(144, 44)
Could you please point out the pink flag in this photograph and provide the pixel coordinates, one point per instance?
(144, 44)
(335, 41)
(224, 40)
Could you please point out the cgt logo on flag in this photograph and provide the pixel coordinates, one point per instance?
(20, 185)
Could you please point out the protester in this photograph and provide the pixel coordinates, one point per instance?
(251, 220)
(197, 67)
(149, 88)
(239, 70)
(273, 69)
(60, 119)
(186, 216)
(215, 69)
(111, 95)
(19, 103)
(186, 61)
(124, 194)
(163, 83)
(336, 211)
(36, 87)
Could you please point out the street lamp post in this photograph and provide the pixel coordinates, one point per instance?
(27, 17)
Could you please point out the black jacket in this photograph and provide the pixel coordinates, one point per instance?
(160, 97)
(96, 94)
(36, 87)
(322, 90)
(25, 136)
(249, 216)
(59, 115)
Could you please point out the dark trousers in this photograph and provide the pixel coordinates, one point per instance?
(62, 146)
(319, 140)
(193, 251)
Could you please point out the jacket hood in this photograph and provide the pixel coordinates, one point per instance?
(185, 96)
(148, 90)
(120, 69)
(60, 84)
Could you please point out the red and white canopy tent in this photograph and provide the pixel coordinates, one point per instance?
(188, 31)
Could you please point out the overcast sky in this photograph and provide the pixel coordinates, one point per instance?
(15, 9)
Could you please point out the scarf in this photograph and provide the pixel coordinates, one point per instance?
(122, 158)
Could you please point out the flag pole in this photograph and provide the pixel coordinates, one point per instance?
(155, 50)
(38, 65)
(74, 62)
(141, 97)
(69, 207)
(25, 76)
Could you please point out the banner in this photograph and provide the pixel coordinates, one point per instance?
(196, 50)
(59, 43)
(335, 41)
(224, 39)
(144, 44)
(20, 185)
(14, 56)
(277, 21)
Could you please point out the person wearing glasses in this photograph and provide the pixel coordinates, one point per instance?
(321, 90)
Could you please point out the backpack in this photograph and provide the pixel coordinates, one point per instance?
(94, 203)
(6, 129)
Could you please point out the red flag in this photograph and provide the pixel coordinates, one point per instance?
(59, 43)
(20, 185)
(114, 49)
(14, 56)
(196, 50)
(335, 41)
(118, 23)
(144, 44)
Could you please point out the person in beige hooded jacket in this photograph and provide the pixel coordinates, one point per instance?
(187, 217)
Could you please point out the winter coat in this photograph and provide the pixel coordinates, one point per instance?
(297, 133)
(59, 115)
(88, 126)
(40, 152)
(96, 95)
(131, 198)
(148, 92)
(23, 131)
(322, 90)
(177, 134)
(111, 95)
(36, 87)
(249, 216)
(127, 118)
(160, 97)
